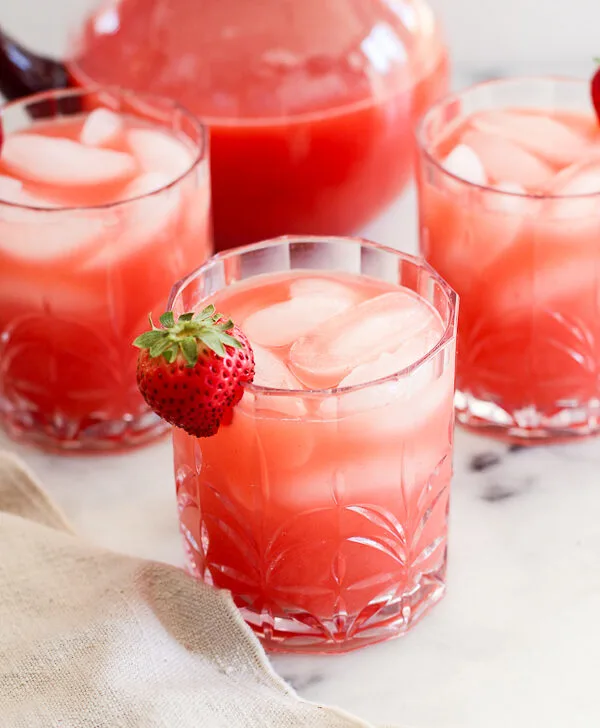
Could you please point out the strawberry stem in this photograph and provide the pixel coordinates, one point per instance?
(188, 335)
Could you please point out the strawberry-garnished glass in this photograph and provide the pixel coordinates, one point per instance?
(104, 202)
(320, 499)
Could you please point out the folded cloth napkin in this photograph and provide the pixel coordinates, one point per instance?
(94, 639)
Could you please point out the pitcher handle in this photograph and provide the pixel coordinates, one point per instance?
(23, 73)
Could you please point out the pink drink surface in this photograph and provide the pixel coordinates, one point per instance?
(525, 265)
(320, 511)
(79, 277)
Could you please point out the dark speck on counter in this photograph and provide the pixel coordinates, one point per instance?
(484, 460)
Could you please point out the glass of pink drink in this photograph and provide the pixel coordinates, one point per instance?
(322, 505)
(509, 183)
(104, 201)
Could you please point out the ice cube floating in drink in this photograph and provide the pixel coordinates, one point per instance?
(322, 506)
(509, 184)
(104, 202)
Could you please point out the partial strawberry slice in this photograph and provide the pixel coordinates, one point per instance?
(191, 371)
(595, 88)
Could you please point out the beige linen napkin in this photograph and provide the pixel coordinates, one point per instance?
(95, 639)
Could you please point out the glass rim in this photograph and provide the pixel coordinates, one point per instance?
(199, 156)
(424, 146)
(448, 335)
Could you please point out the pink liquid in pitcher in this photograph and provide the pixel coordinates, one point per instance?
(324, 513)
(311, 104)
(79, 272)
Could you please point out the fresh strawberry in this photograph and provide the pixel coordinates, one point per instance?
(595, 88)
(191, 371)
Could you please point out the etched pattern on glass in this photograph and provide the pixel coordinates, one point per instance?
(560, 360)
(43, 392)
(387, 562)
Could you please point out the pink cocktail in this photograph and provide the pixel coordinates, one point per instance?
(104, 201)
(509, 185)
(322, 505)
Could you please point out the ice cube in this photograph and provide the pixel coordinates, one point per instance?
(409, 415)
(541, 135)
(463, 162)
(461, 240)
(54, 161)
(146, 184)
(360, 335)
(284, 322)
(504, 160)
(270, 371)
(44, 236)
(157, 151)
(578, 179)
(583, 179)
(11, 190)
(513, 188)
(515, 202)
(145, 220)
(101, 127)
(390, 363)
(386, 365)
(154, 213)
(313, 286)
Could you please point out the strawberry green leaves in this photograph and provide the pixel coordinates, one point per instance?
(192, 370)
(187, 335)
(167, 320)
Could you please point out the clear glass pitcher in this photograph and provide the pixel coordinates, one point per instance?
(311, 103)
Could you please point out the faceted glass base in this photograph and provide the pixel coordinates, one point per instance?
(391, 618)
(528, 426)
(90, 435)
(291, 630)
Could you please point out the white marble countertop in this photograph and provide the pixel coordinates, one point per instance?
(516, 641)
